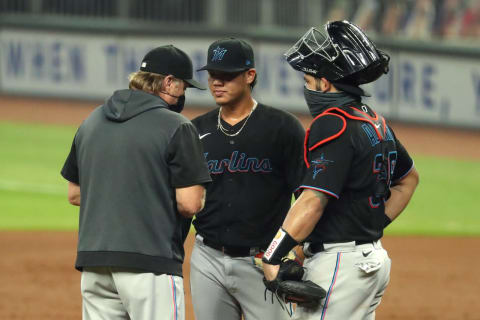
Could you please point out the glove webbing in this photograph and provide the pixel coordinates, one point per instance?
(281, 301)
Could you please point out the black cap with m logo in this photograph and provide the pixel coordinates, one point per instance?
(168, 60)
(229, 55)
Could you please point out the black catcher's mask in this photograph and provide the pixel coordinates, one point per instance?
(342, 54)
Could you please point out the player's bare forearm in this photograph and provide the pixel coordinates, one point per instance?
(190, 200)
(73, 193)
(300, 221)
(401, 194)
(304, 214)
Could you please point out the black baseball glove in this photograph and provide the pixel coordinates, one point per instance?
(288, 286)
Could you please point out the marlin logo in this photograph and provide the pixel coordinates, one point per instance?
(218, 53)
(320, 165)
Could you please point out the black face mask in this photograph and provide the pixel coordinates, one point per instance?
(178, 107)
(319, 101)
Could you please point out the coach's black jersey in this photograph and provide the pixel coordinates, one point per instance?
(254, 175)
(344, 157)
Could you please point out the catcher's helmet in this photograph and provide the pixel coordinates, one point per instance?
(342, 54)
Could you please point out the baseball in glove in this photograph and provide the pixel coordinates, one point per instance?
(288, 286)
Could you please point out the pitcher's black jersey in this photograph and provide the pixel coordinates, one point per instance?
(254, 175)
(345, 152)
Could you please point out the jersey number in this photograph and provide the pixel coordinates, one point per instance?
(383, 171)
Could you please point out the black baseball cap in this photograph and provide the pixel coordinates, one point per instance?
(168, 60)
(229, 55)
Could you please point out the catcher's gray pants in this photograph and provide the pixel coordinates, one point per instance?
(355, 278)
(224, 288)
(117, 293)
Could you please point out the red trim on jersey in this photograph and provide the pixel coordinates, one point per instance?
(348, 115)
(384, 127)
(307, 134)
(321, 190)
(366, 114)
(335, 135)
(367, 119)
(305, 147)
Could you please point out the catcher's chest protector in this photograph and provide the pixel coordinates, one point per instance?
(357, 113)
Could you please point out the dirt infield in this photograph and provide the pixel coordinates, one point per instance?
(432, 278)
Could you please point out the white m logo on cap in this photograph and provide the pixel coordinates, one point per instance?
(218, 54)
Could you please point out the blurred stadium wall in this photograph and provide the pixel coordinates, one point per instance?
(85, 49)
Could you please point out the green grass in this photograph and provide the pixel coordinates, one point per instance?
(34, 211)
(33, 194)
(446, 201)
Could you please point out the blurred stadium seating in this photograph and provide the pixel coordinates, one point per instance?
(418, 19)
(85, 49)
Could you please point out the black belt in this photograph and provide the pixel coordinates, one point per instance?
(234, 251)
(319, 246)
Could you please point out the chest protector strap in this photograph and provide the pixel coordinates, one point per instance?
(365, 114)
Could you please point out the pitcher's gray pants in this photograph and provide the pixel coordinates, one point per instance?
(224, 288)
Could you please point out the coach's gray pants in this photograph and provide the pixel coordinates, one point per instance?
(119, 293)
(224, 288)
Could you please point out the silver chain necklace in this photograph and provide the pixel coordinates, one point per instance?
(225, 131)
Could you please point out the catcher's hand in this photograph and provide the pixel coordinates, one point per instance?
(288, 286)
(294, 254)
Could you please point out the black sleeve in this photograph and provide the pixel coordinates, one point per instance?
(292, 146)
(186, 159)
(404, 162)
(70, 168)
(329, 163)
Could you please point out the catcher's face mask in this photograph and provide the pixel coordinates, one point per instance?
(339, 52)
(314, 46)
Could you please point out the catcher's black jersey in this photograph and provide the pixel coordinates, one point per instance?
(254, 175)
(344, 156)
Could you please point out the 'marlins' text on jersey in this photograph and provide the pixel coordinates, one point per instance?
(254, 174)
(239, 162)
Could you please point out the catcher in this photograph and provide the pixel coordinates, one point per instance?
(359, 178)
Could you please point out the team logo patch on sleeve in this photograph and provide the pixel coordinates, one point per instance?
(320, 165)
